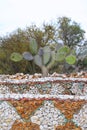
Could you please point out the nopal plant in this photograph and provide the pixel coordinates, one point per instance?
(45, 57)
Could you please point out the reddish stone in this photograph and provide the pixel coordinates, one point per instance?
(24, 126)
(68, 126)
(26, 107)
(68, 107)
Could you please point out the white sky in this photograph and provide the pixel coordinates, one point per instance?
(22, 13)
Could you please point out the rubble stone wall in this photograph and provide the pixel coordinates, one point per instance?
(50, 103)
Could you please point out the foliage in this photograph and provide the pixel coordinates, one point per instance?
(82, 56)
(19, 41)
(69, 32)
(46, 51)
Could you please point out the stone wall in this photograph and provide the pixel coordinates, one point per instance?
(36, 103)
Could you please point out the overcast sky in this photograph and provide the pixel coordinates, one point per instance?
(21, 13)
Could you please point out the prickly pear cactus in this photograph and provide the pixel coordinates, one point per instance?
(64, 50)
(16, 57)
(52, 61)
(43, 57)
(38, 60)
(27, 56)
(60, 57)
(33, 46)
(71, 59)
(46, 55)
(61, 53)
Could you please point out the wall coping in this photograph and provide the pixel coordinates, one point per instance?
(41, 80)
(39, 96)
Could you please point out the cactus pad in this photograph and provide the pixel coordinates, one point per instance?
(16, 57)
(38, 60)
(60, 57)
(27, 56)
(71, 59)
(64, 50)
(46, 55)
(52, 61)
(33, 46)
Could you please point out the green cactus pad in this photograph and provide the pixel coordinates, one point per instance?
(46, 55)
(61, 53)
(46, 49)
(16, 57)
(46, 58)
(38, 60)
(52, 61)
(71, 59)
(64, 50)
(27, 56)
(33, 46)
(59, 57)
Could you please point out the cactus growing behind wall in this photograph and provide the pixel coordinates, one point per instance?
(44, 57)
